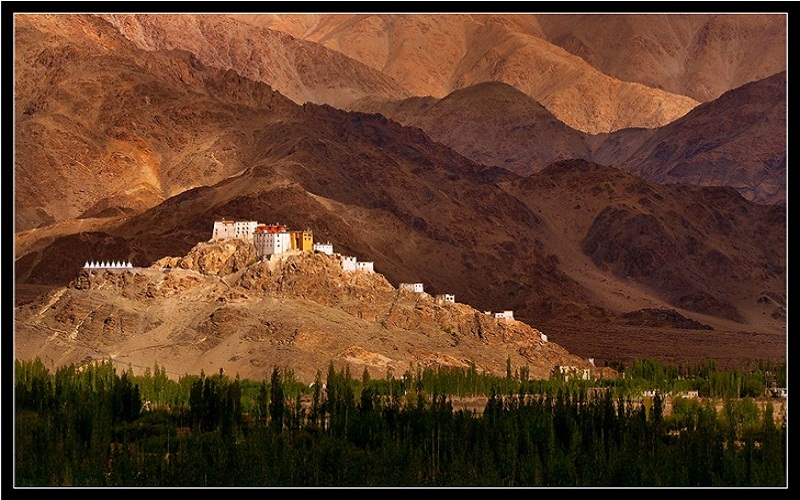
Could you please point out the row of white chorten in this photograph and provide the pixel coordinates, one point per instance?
(108, 265)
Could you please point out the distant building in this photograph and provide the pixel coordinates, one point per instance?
(223, 229)
(412, 287)
(244, 229)
(445, 297)
(269, 242)
(781, 392)
(572, 372)
(349, 263)
(505, 315)
(302, 240)
(368, 267)
(108, 265)
(544, 337)
(326, 248)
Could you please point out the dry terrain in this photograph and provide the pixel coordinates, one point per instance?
(130, 141)
(217, 308)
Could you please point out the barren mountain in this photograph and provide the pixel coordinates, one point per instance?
(698, 55)
(493, 124)
(103, 129)
(673, 239)
(738, 140)
(703, 252)
(300, 70)
(434, 54)
(300, 311)
(577, 247)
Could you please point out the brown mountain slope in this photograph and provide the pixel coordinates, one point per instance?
(98, 134)
(493, 124)
(738, 140)
(698, 55)
(302, 71)
(300, 311)
(434, 54)
(700, 249)
(631, 245)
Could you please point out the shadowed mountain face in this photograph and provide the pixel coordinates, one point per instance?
(145, 149)
(491, 123)
(738, 140)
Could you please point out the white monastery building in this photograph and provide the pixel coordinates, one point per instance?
(368, 267)
(326, 248)
(271, 243)
(223, 229)
(505, 315)
(349, 263)
(412, 287)
(446, 297)
(244, 229)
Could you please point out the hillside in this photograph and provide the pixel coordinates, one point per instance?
(738, 140)
(299, 311)
(490, 123)
(127, 153)
(113, 130)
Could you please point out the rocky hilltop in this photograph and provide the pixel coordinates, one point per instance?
(217, 307)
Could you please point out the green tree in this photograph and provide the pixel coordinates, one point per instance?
(276, 404)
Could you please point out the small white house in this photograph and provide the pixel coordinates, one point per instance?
(446, 297)
(326, 248)
(349, 263)
(412, 287)
(544, 337)
(367, 267)
(505, 315)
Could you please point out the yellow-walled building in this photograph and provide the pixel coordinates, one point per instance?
(302, 240)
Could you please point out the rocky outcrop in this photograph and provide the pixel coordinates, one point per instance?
(214, 258)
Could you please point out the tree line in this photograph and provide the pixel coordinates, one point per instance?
(92, 426)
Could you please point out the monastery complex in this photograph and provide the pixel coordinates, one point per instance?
(277, 239)
(274, 239)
